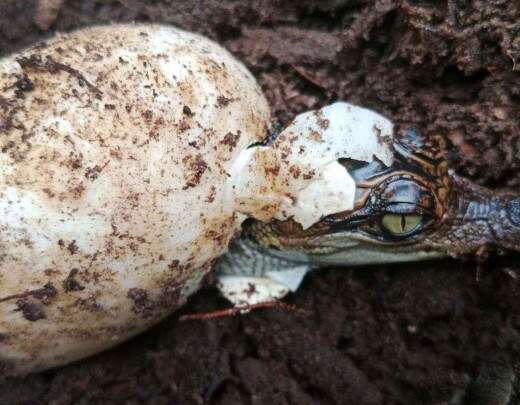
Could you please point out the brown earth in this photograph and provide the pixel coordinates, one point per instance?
(403, 334)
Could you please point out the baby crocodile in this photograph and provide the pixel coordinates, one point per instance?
(416, 209)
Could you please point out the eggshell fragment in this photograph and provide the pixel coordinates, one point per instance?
(242, 291)
(299, 176)
(116, 145)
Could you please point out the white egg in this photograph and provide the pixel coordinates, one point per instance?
(126, 169)
(116, 143)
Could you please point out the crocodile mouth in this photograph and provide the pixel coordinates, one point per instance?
(351, 249)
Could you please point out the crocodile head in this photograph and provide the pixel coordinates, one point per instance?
(415, 209)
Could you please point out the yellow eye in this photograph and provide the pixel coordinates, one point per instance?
(401, 224)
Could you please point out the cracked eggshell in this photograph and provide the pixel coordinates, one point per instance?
(299, 176)
(116, 144)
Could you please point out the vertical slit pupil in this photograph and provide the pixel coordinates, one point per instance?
(403, 223)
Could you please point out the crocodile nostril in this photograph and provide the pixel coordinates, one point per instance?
(513, 211)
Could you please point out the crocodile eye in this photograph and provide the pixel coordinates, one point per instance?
(401, 224)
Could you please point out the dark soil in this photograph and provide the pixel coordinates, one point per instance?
(404, 334)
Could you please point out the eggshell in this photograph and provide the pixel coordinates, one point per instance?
(299, 176)
(116, 143)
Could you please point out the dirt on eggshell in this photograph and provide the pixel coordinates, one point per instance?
(400, 334)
